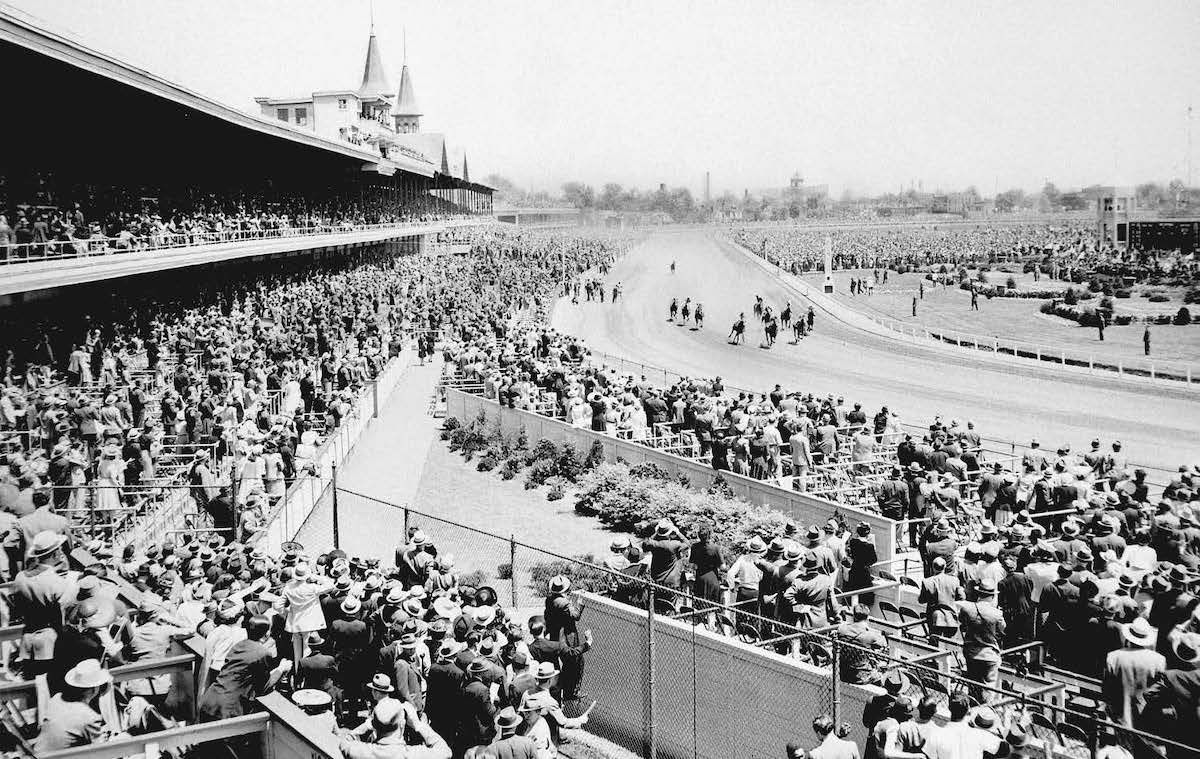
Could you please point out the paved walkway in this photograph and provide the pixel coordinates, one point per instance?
(387, 463)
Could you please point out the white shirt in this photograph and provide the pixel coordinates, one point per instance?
(958, 740)
(219, 641)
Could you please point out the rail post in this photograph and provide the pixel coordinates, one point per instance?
(333, 478)
(835, 681)
(649, 745)
(406, 517)
(375, 399)
(512, 566)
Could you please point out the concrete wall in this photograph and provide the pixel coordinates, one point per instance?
(805, 509)
(713, 696)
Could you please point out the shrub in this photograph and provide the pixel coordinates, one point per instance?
(1183, 316)
(1159, 298)
(569, 465)
(543, 450)
(486, 463)
(1010, 283)
(539, 471)
(449, 426)
(504, 571)
(1070, 297)
(649, 470)
(510, 468)
(555, 493)
(1048, 307)
(1123, 292)
(1122, 320)
(1192, 296)
(623, 501)
(583, 577)
(1106, 303)
(475, 579)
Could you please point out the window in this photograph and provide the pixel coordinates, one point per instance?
(301, 117)
(281, 114)
(341, 104)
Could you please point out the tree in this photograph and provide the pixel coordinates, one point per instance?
(507, 192)
(579, 194)
(1010, 199)
(611, 197)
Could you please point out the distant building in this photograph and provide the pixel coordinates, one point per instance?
(372, 116)
(1120, 223)
(812, 197)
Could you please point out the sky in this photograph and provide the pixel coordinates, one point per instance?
(862, 96)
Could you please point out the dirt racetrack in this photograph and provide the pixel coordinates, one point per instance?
(1157, 424)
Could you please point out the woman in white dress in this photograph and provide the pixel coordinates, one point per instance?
(292, 403)
(273, 472)
(110, 477)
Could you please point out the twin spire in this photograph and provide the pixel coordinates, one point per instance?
(375, 81)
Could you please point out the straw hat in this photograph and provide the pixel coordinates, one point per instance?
(88, 674)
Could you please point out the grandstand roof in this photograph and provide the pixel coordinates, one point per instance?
(30, 33)
(406, 99)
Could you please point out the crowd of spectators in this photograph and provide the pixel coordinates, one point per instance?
(1071, 549)
(35, 232)
(1058, 249)
(244, 381)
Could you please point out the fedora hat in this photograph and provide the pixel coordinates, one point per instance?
(44, 543)
(1187, 648)
(560, 584)
(88, 674)
(987, 528)
(984, 718)
(792, 551)
(381, 683)
(664, 527)
(756, 545)
(1139, 632)
(447, 651)
(546, 671)
(351, 605)
(895, 682)
(534, 701)
(485, 615)
(396, 595)
(507, 719)
(419, 538)
(409, 640)
(477, 667)
(445, 608)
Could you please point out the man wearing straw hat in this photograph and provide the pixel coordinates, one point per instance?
(390, 719)
(39, 592)
(69, 719)
(1129, 671)
(982, 626)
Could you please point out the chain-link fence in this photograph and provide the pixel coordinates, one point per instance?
(677, 674)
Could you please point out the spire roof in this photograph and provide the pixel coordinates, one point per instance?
(406, 100)
(374, 80)
(466, 175)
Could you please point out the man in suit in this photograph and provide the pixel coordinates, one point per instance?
(982, 626)
(940, 592)
(857, 662)
(1129, 672)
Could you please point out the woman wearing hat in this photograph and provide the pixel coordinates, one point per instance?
(302, 613)
(69, 719)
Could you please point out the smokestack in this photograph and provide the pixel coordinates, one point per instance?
(707, 187)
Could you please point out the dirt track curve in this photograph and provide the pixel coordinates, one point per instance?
(1156, 424)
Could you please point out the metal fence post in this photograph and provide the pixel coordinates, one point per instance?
(835, 681)
(512, 566)
(336, 536)
(649, 746)
(406, 523)
(375, 399)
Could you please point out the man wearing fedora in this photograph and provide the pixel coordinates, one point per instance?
(476, 713)
(1129, 671)
(69, 719)
(982, 625)
(509, 745)
(390, 720)
(1170, 709)
(39, 592)
(443, 691)
(247, 674)
(668, 549)
(960, 739)
(940, 593)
